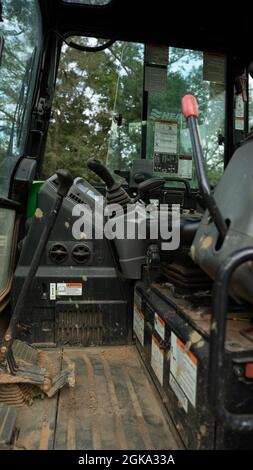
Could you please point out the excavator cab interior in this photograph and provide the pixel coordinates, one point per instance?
(126, 246)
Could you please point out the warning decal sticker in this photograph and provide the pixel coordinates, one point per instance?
(179, 393)
(157, 359)
(165, 137)
(52, 291)
(138, 325)
(183, 367)
(185, 166)
(69, 288)
(159, 326)
(65, 288)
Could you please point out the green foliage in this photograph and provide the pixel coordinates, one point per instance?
(84, 102)
(94, 90)
(22, 36)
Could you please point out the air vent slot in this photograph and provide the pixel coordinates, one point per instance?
(58, 253)
(81, 253)
(75, 198)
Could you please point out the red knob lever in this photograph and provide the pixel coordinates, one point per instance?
(190, 106)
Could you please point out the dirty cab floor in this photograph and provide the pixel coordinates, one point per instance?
(114, 405)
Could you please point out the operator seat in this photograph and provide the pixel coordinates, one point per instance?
(234, 197)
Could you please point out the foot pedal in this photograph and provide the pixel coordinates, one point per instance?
(8, 416)
(34, 368)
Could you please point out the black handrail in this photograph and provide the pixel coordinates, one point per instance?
(217, 379)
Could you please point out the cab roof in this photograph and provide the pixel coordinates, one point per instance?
(190, 26)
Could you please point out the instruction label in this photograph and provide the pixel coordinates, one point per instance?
(239, 113)
(52, 291)
(155, 78)
(165, 137)
(157, 359)
(137, 300)
(159, 326)
(164, 163)
(183, 367)
(179, 393)
(69, 288)
(138, 324)
(185, 166)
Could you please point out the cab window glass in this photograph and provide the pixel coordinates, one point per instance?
(170, 74)
(97, 108)
(20, 38)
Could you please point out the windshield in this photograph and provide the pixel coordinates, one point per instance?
(97, 108)
(124, 103)
(20, 31)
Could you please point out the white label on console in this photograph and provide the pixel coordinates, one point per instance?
(69, 288)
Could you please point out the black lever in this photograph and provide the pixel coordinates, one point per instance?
(65, 181)
(148, 186)
(115, 194)
(100, 170)
(190, 111)
(233, 421)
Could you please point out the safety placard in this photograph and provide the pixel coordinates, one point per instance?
(69, 288)
(137, 300)
(52, 291)
(157, 359)
(185, 166)
(179, 393)
(239, 113)
(155, 78)
(165, 140)
(165, 163)
(183, 367)
(159, 326)
(138, 324)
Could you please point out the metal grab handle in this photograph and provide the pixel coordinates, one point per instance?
(235, 422)
(65, 181)
(190, 112)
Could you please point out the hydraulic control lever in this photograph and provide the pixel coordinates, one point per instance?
(100, 170)
(191, 112)
(148, 186)
(115, 194)
(65, 181)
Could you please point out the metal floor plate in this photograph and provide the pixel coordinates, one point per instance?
(113, 405)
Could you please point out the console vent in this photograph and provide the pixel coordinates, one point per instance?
(58, 253)
(81, 253)
(75, 198)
